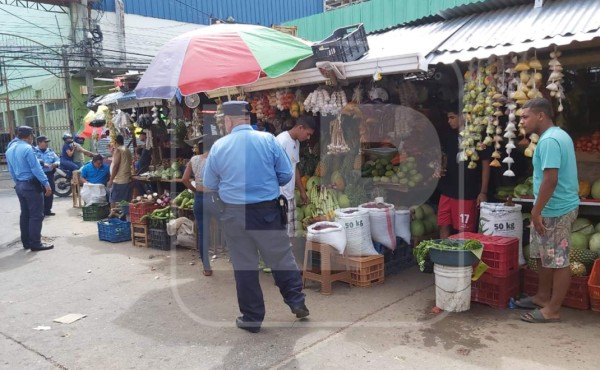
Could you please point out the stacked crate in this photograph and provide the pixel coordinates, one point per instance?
(159, 239)
(501, 281)
(139, 223)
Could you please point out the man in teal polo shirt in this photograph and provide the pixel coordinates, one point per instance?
(95, 172)
(555, 187)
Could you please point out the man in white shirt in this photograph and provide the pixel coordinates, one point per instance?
(290, 141)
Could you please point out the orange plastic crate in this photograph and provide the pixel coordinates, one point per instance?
(594, 286)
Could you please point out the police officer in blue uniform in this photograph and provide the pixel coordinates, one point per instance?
(31, 185)
(246, 168)
(50, 161)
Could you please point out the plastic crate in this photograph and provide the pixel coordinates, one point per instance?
(96, 212)
(495, 291)
(364, 271)
(346, 44)
(138, 210)
(594, 286)
(399, 259)
(578, 295)
(500, 253)
(160, 239)
(158, 223)
(114, 230)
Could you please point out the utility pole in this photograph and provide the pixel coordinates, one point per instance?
(9, 116)
(67, 78)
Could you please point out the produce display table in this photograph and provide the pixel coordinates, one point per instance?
(157, 181)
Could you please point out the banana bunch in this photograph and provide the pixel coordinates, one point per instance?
(324, 201)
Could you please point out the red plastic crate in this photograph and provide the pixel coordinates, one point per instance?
(137, 210)
(594, 286)
(495, 291)
(500, 253)
(577, 296)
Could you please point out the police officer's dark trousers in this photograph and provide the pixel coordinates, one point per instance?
(31, 200)
(49, 200)
(249, 231)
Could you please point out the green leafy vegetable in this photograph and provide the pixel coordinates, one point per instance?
(421, 251)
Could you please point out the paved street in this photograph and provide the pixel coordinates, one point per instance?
(153, 309)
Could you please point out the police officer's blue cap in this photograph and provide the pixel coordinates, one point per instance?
(236, 108)
(24, 131)
(42, 138)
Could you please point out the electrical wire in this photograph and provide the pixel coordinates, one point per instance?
(31, 23)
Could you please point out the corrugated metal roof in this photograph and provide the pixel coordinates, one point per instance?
(480, 7)
(517, 29)
(263, 12)
(376, 15)
(422, 39)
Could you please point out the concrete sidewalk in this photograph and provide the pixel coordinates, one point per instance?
(153, 309)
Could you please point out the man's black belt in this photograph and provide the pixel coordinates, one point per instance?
(265, 204)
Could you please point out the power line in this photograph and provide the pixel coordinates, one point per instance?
(33, 24)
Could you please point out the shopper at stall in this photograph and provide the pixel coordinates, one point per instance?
(247, 167)
(290, 141)
(95, 172)
(31, 185)
(461, 189)
(120, 174)
(204, 208)
(555, 188)
(50, 161)
(80, 151)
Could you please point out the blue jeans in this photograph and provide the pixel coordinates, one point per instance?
(69, 165)
(248, 232)
(203, 213)
(32, 214)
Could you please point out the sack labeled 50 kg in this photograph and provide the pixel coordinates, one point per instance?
(381, 217)
(497, 219)
(358, 231)
(326, 232)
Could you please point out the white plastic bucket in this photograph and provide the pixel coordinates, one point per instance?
(453, 287)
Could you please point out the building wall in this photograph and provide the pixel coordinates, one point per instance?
(263, 12)
(374, 14)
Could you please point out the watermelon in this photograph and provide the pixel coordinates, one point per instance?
(427, 209)
(594, 243)
(584, 226)
(344, 201)
(596, 189)
(417, 228)
(432, 219)
(418, 213)
(579, 241)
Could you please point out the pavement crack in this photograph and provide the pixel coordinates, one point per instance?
(49, 359)
(343, 328)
